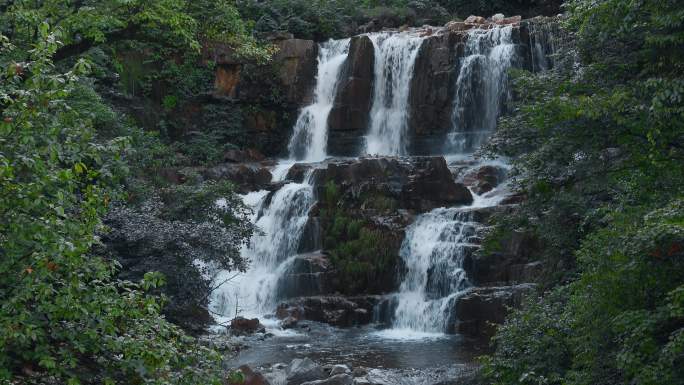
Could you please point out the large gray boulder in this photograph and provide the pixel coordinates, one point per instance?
(303, 370)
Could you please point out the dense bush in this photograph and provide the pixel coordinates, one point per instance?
(598, 151)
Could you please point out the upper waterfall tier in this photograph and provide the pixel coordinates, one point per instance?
(481, 87)
(395, 57)
(310, 135)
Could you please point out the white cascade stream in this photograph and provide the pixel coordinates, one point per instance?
(310, 136)
(395, 57)
(481, 87)
(280, 220)
(438, 242)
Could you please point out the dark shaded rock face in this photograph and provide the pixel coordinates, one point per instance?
(246, 176)
(348, 119)
(309, 274)
(297, 59)
(431, 185)
(333, 310)
(476, 311)
(419, 184)
(432, 90)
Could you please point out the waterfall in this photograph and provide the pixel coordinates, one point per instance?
(481, 87)
(542, 44)
(395, 57)
(310, 136)
(434, 250)
(280, 221)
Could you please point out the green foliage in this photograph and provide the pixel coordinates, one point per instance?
(324, 19)
(598, 151)
(359, 251)
(64, 314)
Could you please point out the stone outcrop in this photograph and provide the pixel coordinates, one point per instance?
(333, 310)
(432, 90)
(307, 275)
(246, 176)
(477, 312)
(304, 370)
(242, 326)
(348, 119)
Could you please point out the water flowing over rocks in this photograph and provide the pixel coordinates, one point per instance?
(391, 240)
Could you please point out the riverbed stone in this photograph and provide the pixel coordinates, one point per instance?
(339, 369)
(302, 370)
(251, 377)
(339, 379)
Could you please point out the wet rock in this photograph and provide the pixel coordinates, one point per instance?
(339, 379)
(303, 370)
(477, 310)
(431, 185)
(349, 116)
(484, 179)
(251, 377)
(289, 323)
(359, 372)
(457, 26)
(297, 172)
(308, 275)
(339, 369)
(432, 90)
(242, 326)
(333, 310)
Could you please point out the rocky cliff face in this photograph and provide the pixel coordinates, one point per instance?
(348, 119)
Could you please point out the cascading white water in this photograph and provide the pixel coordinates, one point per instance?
(481, 87)
(280, 220)
(434, 249)
(310, 136)
(395, 57)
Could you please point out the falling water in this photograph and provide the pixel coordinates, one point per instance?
(310, 136)
(395, 57)
(434, 249)
(542, 44)
(281, 220)
(481, 87)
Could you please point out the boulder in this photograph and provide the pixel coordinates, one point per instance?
(457, 26)
(339, 379)
(431, 185)
(339, 369)
(478, 311)
(303, 370)
(499, 17)
(307, 275)
(251, 377)
(514, 20)
(484, 179)
(348, 119)
(333, 310)
(475, 20)
(242, 326)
